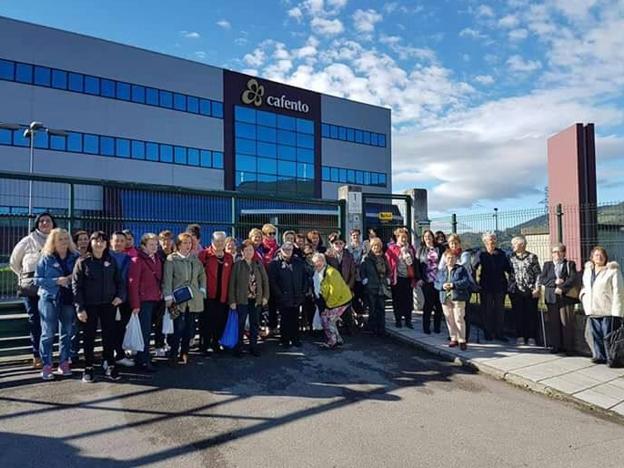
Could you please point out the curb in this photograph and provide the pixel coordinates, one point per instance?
(509, 377)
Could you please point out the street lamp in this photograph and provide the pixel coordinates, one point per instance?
(30, 132)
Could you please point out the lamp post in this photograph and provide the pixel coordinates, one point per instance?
(30, 133)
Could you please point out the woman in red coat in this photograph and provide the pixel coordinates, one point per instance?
(218, 264)
(404, 276)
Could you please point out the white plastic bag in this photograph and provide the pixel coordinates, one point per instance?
(133, 339)
(167, 326)
(316, 322)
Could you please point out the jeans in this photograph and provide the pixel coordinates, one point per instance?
(432, 305)
(106, 315)
(377, 313)
(31, 304)
(600, 328)
(52, 312)
(252, 311)
(145, 317)
(183, 328)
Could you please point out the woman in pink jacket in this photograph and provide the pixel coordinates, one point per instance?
(404, 276)
(144, 291)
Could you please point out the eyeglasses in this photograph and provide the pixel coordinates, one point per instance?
(556, 251)
(272, 233)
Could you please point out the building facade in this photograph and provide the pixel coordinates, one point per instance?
(140, 116)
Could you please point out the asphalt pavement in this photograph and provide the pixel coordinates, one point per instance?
(373, 403)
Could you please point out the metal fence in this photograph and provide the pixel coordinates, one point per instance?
(82, 204)
(581, 227)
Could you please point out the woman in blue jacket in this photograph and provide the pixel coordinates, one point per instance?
(53, 278)
(454, 285)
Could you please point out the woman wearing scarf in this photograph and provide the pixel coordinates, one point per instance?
(333, 297)
(429, 255)
(53, 277)
(375, 274)
(404, 274)
(23, 262)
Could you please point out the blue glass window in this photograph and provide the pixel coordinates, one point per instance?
(6, 136)
(204, 107)
(342, 174)
(267, 119)
(374, 178)
(217, 159)
(359, 177)
(151, 151)
(192, 104)
(358, 136)
(166, 153)
(305, 126)
(333, 131)
(267, 166)
(267, 134)
(107, 146)
(19, 139)
(268, 150)
(193, 157)
(74, 142)
(382, 179)
(244, 114)
(350, 134)
(367, 178)
(91, 85)
(305, 155)
(325, 132)
(123, 91)
(305, 141)
(165, 100)
(107, 88)
(205, 158)
(180, 155)
(245, 146)
(138, 150)
(179, 102)
(123, 148)
(7, 70)
(374, 139)
(305, 171)
(245, 130)
(342, 133)
(76, 82)
(91, 144)
(286, 123)
(151, 96)
(43, 76)
(41, 140)
(138, 94)
(325, 172)
(58, 142)
(287, 138)
(351, 176)
(382, 140)
(245, 163)
(287, 168)
(59, 79)
(286, 152)
(24, 73)
(335, 175)
(217, 109)
(366, 138)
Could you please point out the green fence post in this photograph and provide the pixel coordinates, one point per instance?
(454, 223)
(559, 223)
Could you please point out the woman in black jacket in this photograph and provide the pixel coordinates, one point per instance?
(98, 290)
(375, 274)
(429, 255)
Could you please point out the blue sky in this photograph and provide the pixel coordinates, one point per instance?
(476, 87)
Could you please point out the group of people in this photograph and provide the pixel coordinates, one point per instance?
(282, 288)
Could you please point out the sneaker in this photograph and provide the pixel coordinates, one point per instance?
(532, 342)
(112, 373)
(520, 341)
(125, 362)
(161, 352)
(87, 375)
(64, 369)
(46, 373)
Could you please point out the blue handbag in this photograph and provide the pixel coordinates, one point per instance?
(230, 334)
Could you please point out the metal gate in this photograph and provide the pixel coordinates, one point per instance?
(385, 212)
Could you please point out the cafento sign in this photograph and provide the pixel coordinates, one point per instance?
(255, 95)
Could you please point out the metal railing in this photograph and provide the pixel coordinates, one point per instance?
(89, 204)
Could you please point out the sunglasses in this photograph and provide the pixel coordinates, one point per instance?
(271, 233)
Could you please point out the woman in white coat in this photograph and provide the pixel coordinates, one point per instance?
(602, 296)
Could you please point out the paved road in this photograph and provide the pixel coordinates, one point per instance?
(375, 403)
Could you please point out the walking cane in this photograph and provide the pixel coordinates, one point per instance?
(543, 329)
(481, 316)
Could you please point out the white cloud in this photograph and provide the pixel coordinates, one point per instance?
(508, 21)
(575, 9)
(484, 79)
(485, 11)
(296, 13)
(517, 64)
(472, 33)
(225, 24)
(256, 58)
(365, 20)
(518, 34)
(190, 34)
(327, 27)
(200, 55)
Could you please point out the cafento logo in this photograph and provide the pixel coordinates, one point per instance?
(254, 94)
